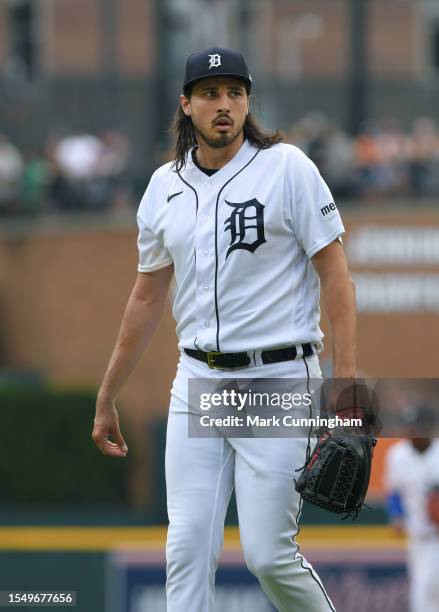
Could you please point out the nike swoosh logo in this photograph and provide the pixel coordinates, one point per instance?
(173, 195)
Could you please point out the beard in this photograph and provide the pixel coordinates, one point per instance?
(220, 140)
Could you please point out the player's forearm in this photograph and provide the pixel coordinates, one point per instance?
(339, 298)
(139, 322)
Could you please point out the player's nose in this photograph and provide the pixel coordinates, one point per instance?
(223, 103)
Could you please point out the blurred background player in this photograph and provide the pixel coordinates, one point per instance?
(412, 481)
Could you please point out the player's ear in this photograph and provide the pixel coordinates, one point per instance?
(185, 105)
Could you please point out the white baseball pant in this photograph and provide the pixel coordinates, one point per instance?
(200, 476)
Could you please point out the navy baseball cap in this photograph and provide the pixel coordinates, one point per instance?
(215, 62)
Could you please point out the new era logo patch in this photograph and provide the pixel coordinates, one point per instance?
(329, 208)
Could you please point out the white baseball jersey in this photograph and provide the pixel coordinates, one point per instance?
(241, 242)
(412, 474)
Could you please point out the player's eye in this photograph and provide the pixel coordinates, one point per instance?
(236, 92)
(209, 93)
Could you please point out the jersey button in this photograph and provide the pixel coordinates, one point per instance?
(207, 324)
(205, 288)
(206, 252)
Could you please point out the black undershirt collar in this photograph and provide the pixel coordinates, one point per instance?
(208, 171)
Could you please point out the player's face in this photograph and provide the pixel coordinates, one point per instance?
(218, 107)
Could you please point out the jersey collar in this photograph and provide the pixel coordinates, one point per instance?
(196, 176)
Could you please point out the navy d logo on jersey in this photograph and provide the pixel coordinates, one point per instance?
(246, 226)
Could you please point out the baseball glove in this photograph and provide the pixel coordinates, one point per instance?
(336, 476)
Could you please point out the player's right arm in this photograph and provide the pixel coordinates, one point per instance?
(142, 315)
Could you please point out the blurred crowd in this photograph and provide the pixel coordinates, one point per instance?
(86, 172)
(77, 172)
(381, 162)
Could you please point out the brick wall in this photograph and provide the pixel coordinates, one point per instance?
(87, 36)
(393, 38)
(325, 53)
(135, 36)
(75, 36)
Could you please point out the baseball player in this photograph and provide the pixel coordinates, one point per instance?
(411, 479)
(251, 232)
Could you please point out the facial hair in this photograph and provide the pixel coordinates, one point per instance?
(220, 141)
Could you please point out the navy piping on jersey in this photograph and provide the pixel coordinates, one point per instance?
(216, 245)
(196, 215)
(196, 207)
(193, 189)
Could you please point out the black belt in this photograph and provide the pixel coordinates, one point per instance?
(225, 361)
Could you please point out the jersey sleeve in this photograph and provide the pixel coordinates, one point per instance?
(153, 255)
(313, 214)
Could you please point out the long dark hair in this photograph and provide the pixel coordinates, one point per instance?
(185, 138)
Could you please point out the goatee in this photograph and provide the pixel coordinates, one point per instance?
(223, 140)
